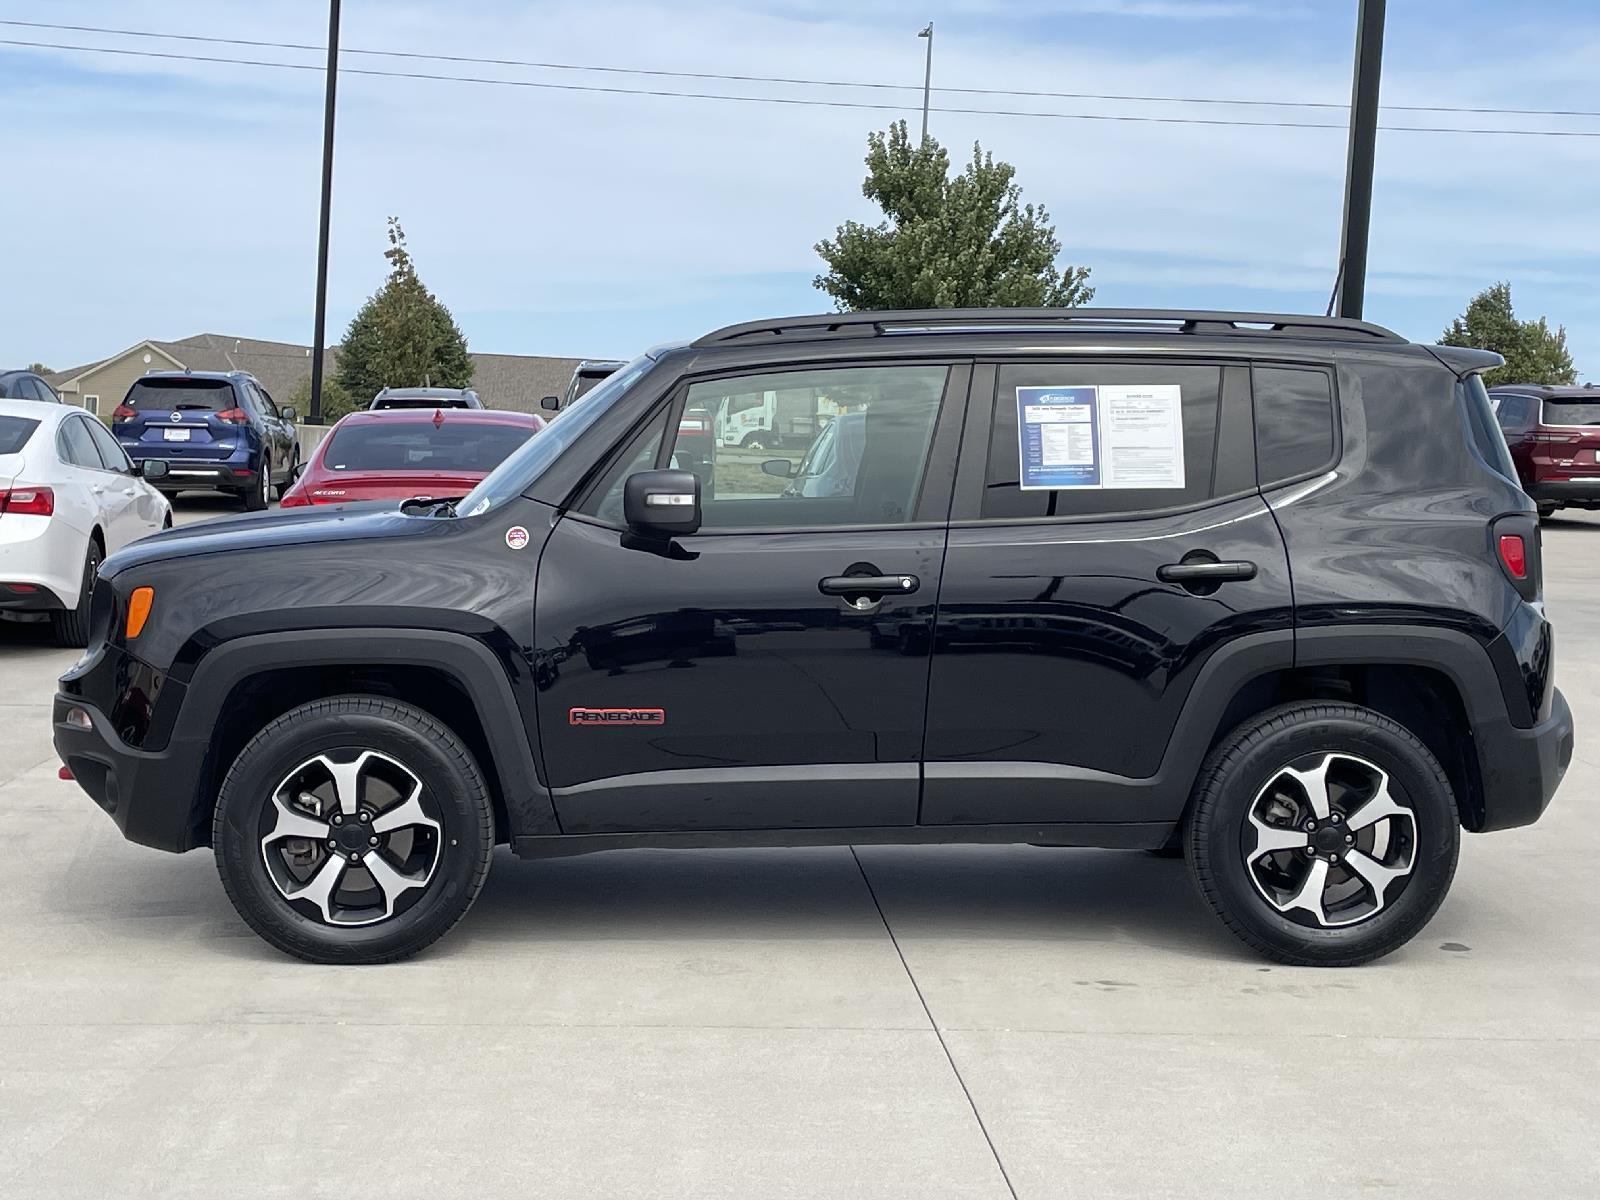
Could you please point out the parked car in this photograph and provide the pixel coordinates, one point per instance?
(408, 453)
(1101, 578)
(214, 430)
(1554, 437)
(68, 497)
(425, 397)
(587, 374)
(25, 385)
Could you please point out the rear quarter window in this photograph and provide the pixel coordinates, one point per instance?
(1295, 427)
(1483, 429)
(14, 433)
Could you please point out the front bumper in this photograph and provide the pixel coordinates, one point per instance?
(149, 794)
(1521, 768)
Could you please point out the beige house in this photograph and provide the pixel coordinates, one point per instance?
(508, 381)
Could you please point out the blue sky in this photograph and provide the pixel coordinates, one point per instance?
(170, 198)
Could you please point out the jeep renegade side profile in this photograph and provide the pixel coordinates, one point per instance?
(1260, 587)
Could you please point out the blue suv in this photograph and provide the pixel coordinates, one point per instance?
(214, 430)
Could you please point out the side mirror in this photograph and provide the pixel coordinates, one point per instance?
(550, 403)
(288, 413)
(153, 468)
(781, 467)
(297, 470)
(662, 503)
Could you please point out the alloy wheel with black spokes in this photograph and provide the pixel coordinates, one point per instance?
(1323, 833)
(347, 837)
(1327, 841)
(355, 829)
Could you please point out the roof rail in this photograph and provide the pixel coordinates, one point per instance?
(826, 326)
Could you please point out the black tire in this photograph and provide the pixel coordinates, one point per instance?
(288, 476)
(452, 787)
(71, 626)
(255, 496)
(1233, 780)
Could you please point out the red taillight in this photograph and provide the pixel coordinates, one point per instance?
(123, 412)
(1513, 554)
(692, 425)
(234, 416)
(28, 501)
(293, 499)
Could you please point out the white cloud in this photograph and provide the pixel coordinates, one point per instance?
(183, 196)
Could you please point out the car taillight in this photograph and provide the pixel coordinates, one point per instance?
(123, 412)
(234, 416)
(28, 501)
(1513, 555)
(692, 425)
(293, 498)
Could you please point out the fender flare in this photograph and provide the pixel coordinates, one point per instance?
(467, 661)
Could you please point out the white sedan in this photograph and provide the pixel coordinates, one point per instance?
(69, 496)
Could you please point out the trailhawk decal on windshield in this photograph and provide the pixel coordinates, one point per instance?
(616, 716)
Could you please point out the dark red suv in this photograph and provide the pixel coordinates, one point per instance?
(1554, 437)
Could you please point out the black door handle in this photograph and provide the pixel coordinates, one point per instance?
(1205, 572)
(868, 585)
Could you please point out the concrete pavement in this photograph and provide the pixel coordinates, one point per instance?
(919, 1022)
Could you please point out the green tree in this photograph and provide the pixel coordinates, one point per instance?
(403, 336)
(966, 242)
(38, 368)
(1532, 352)
(336, 402)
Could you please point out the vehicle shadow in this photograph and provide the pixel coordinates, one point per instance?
(1010, 893)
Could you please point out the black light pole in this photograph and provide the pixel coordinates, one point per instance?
(1358, 166)
(315, 416)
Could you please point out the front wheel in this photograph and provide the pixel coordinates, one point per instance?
(1323, 834)
(353, 830)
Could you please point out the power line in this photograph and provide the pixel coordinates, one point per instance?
(781, 79)
(794, 101)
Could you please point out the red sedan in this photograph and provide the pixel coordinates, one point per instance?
(396, 454)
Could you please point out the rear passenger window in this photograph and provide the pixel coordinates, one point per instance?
(76, 446)
(1138, 437)
(1294, 421)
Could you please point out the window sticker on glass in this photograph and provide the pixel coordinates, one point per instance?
(1100, 437)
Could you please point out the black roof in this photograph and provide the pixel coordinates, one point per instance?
(829, 326)
(1547, 391)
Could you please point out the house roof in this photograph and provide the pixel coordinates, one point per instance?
(514, 382)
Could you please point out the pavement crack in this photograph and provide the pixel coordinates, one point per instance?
(934, 1025)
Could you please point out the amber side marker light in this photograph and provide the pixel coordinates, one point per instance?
(139, 609)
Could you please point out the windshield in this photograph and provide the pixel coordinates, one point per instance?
(1579, 412)
(211, 395)
(455, 447)
(518, 472)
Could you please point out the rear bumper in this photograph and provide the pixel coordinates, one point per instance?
(26, 597)
(1521, 768)
(181, 475)
(1578, 492)
(149, 794)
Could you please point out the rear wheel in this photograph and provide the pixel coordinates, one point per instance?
(256, 496)
(1323, 834)
(288, 476)
(353, 830)
(71, 627)
(1546, 510)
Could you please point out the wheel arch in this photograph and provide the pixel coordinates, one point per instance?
(237, 687)
(1438, 683)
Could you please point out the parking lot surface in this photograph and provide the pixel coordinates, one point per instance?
(919, 1022)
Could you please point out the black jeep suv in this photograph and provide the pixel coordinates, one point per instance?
(1259, 588)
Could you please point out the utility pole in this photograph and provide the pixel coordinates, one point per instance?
(1359, 165)
(330, 87)
(927, 78)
